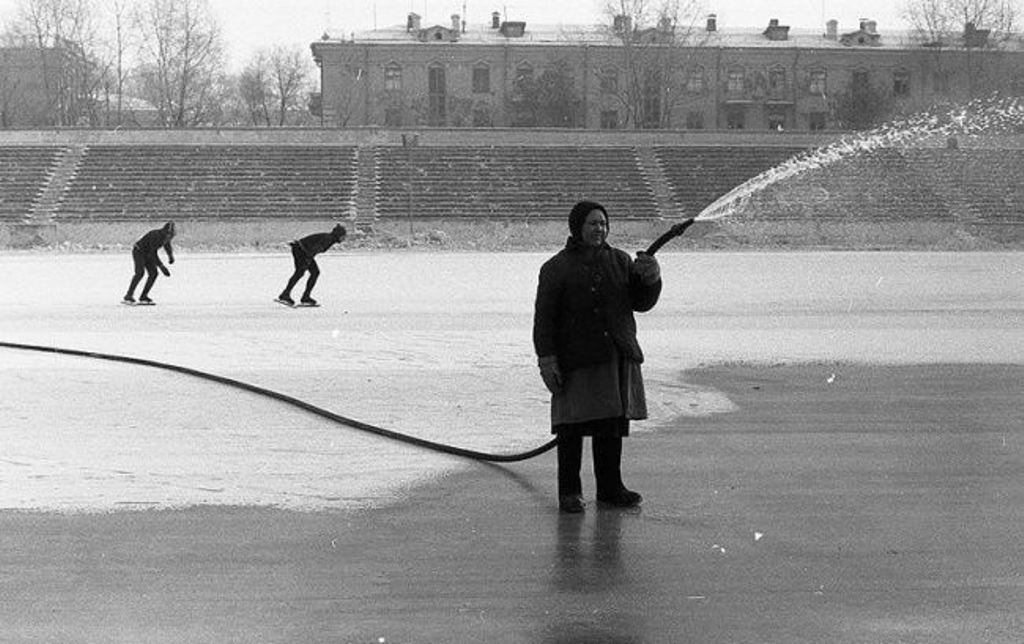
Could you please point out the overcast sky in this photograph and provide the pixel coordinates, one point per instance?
(251, 24)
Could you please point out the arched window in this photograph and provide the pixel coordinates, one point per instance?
(817, 81)
(437, 94)
(393, 77)
(481, 78)
(609, 81)
(650, 117)
(736, 80)
(901, 82)
(778, 87)
(695, 80)
(524, 74)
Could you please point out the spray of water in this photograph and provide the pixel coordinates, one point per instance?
(993, 115)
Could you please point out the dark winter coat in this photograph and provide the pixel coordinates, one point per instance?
(153, 241)
(585, 303)
(317, 243)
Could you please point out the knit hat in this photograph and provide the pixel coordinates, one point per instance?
(579, 213)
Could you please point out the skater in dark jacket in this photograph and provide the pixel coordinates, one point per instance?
(146, 259)
(304, 252)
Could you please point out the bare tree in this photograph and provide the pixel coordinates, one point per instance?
(658, 38)
(547, 100)
(254, 90)
(274, 84)
(942, 22)
(290, 74)
(181, 62)
(116, 59)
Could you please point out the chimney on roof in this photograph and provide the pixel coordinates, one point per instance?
(832, 30)
(456, 22)
(871, 27)
(775, 31)
(513, 29)
(495, 20)
(412, 22)
(974, 37)
(712, 22)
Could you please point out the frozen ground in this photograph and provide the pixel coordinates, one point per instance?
(433, 344)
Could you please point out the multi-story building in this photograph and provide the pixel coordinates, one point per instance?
(42, 87)
(25, 99)
(507, 74)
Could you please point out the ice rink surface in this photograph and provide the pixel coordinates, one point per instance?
(433, 344)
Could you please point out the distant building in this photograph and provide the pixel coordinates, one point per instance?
(511, 73)
(26, 99)
(44, 87)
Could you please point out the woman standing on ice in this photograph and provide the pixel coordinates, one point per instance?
(146, 259)
(584, 334)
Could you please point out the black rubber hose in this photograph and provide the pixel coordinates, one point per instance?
(672, 233)
(319, 411)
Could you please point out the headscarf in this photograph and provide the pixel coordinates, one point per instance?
(338, 231)
(579, 213)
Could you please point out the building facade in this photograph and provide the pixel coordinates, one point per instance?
(505, 74)
(26, 98)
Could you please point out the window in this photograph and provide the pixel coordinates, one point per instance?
(436, 95)
(481, 79)
(695, 120)
(860, 81)
(940, 81)
(609, 81)
(735, 81)
(776, 120)
(524, 74)
(816, 121)
(901, 83)
(652, 100)
(393, 77)
(777, 83)
(818, 82)
(695, 81)
(609, 120)
(736, 118)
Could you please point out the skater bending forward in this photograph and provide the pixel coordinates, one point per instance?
(144, 254)
(304, 252)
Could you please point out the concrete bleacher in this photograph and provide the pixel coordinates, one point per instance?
(509, 182)
(115, 183)
(698, 175)
(24, 172)
(977, 186)
(370, 176)
(881, 185)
